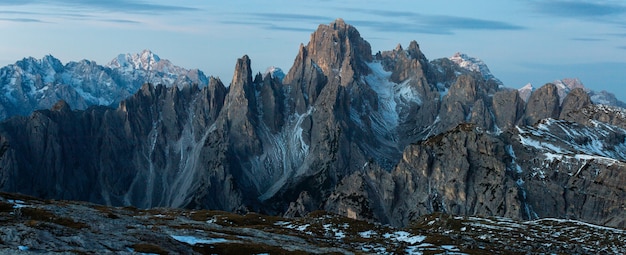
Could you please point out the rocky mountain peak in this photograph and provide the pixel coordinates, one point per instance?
(144, 60)
(340, 51)
(275, 73)
(574, 101)
(567, 85)
(48, 64)
(543, 103)
(414, 50)
(475, 65)
(243, 72)
(524, 92)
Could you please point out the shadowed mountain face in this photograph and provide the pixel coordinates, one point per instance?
(385, 137)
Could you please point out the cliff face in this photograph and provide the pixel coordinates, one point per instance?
(385, 137)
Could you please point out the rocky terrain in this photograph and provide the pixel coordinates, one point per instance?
(34, 226)
(386, 137)
(32, 84)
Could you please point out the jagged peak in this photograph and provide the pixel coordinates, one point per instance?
(399, 47)
(243, 72)
(339, 50)
(414, 47)
(46, 61)
(474, 64)
(570, 83)
(275, 73)
(528, 86)
(470, 63)
(142, 60)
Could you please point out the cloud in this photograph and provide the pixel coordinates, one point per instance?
(394, 21)
(414, 22)
(19, 13)
(16, 2)
(402, 27)
(22, 20)
(268, 26)
(291, 29)
(579, 9)
(586, 39)
(123, 6)
(276, 21)
(618, 34)
(122, 21)
(463, 23)
(290, 17)
(622, 47)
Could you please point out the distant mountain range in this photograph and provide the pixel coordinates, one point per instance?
(32, 84)
(384, 137)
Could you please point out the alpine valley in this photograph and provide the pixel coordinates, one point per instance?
(388, 138)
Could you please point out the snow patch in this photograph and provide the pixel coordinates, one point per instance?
(392, 97)
(367, 234)
(192, 240)
(403, 236)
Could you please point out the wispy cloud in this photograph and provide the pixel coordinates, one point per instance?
(122, 21)
(579, 9)
(292, 29)
(403, 27)
(618, 34)
(268, 26)
(18, 12)
(123, 6)
(277, 21)
(413, 22)
(586, 39)
(290, 17)
(22, 20)
(464, 23)
(392, 21)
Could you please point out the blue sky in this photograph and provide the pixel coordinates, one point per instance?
(521, 41)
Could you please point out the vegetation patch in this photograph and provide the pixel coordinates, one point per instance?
(242, 248)
(40, 214)
(149, 248)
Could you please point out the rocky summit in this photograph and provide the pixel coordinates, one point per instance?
(386, 137)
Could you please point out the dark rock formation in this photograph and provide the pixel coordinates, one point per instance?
(543, 103)
(574, 101)
(508, 108)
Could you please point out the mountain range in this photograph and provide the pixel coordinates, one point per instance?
(32, 84)
(384, 137)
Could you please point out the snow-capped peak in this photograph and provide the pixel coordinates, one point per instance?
(144, 60)
(467, 62)
(524, 92)
(275, 72)
(474, 65)
(527, 87)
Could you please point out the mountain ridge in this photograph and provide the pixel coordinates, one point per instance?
(385, 137)
(32, 84)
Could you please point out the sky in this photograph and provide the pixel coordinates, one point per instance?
(522, 42)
